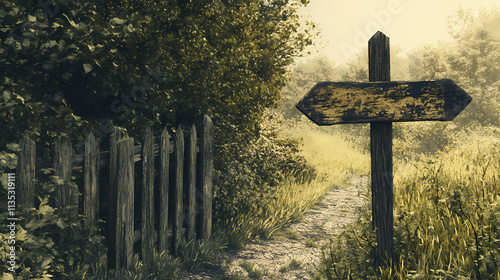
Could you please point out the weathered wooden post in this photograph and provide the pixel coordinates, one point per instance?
(178, 191)
(380, 104)
(26, 169)
(124, 238)
(90, 192)
(147, 229)
(379, 69)
(164, 189)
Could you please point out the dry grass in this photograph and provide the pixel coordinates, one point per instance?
(333, 158)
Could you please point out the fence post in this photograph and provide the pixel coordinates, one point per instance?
(164, 189)
(90, 191)
(147, 231)
(125, 204)
(65, 193)
(112, 207)
(179, 180)
(206, 156)
(191, 183)
(26, 169)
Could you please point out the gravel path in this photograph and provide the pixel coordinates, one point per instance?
(295, 251)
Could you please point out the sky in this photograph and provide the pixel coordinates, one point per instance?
(347, 25)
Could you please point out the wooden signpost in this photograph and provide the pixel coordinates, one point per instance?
(381, 102)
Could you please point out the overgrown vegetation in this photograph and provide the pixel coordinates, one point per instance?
(446, 218)
(74, 66)
(183, 59)
(446, 174)
(334, 161)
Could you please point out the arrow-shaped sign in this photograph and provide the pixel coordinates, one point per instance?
(348, 102)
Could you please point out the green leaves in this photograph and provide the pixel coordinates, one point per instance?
(87, 67)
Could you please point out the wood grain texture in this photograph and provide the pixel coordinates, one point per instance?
(124, 243)
(179, 186)
(26, 173)
(91, 193)
(381, 156)
(207, 163)
(65, 193)
(349, 102)
(147, 222)
(164, 189)
(113, 189)
(191, 183)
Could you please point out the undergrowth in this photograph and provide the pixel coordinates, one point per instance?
(446, 218)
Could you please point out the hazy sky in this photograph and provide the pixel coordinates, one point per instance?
(347, 25)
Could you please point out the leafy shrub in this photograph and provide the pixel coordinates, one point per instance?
(250, 180)
(49, 243)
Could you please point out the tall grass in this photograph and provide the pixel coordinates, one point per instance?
(334, 160)
(447, 219)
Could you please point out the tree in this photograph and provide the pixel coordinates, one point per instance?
(68, 66)
(303, 77)
(472, 60)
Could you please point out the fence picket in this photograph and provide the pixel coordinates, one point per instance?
(164, 189)
(191, 183)
(90, 191)
(179, 184)
(206, 155)
(26, 169)
(66, 195)
(147, 240)
(112, 207)
(125, 204)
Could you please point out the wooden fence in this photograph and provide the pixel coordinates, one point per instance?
(192, 183)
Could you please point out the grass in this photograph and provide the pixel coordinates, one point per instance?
(446, 219)
(311, 242)
(290, 234)
(334, 159)
(255, 272)
(292, 265)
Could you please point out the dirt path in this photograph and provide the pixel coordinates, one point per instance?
(295, 251)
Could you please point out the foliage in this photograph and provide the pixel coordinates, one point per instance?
(332, 158)
(77, 64)
(249, 181)
(303, 76)
(196, 254)
(446, 218)
(472, 60)
(42, 237)
(74, 66)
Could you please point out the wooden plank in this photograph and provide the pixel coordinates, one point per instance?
(65, 193)
(164, 189)
(178, 195)
(348, 102)
(26, 177)
(191, 183)
(90, 192)
(125, 204)
(147, 241)
(381, 156)
(206, 156)
(113, 193)
(77, 160)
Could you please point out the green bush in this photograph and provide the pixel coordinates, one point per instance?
(250, 180)
(49, 243)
